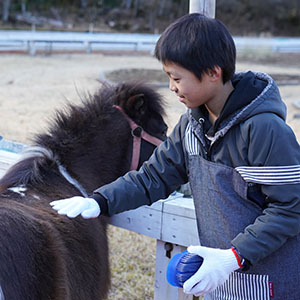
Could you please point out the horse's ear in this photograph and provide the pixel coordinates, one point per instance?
(136, 103)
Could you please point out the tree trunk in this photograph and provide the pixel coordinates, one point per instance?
(136, 7)
(83, 4)
(161, 7)
(23, 6)
(5, 10)
(126, 3)
(153, 9)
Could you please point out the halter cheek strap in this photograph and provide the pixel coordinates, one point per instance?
(138, 134)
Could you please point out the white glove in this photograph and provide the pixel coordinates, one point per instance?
(214, 271)
(72, 207)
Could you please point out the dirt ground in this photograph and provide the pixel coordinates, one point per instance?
(32, 87)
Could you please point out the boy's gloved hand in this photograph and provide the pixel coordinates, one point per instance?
(72, 207)
(215, 270)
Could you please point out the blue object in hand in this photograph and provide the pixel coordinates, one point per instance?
(182, 266)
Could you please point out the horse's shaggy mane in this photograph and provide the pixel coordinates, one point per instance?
(77, 124)
(96, 110)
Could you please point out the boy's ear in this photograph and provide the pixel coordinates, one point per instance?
(215, 73)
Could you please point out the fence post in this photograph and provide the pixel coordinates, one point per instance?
(162, 289)
(206, 7)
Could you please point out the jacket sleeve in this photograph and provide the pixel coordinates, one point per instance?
(157, 178)
(272, 143)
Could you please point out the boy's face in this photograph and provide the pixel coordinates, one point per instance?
(191, 91)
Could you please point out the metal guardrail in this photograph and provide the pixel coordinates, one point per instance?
(33, 41)
(272, 45)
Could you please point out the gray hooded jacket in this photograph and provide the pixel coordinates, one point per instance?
(251, 131)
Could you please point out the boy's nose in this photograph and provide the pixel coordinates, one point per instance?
(172, 87)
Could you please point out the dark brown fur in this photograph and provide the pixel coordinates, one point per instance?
(44, 255)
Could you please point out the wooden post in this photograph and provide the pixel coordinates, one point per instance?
(206, 7)
(163, 290)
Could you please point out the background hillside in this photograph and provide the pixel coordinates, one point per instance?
(243, 17)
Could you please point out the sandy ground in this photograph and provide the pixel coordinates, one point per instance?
(31, 88)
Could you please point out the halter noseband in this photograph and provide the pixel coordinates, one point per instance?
(138, 134)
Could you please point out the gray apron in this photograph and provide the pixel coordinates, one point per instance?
(223, 211)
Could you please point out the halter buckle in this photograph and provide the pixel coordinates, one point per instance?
(137, 132)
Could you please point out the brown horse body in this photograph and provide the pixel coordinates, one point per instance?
(44, 255)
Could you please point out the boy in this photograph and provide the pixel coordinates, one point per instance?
(241, 159)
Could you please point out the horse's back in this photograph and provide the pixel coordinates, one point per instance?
(42, 255)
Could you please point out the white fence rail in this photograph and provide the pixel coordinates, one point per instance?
(34, 41)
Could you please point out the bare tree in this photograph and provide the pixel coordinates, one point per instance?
(126, 3)
(5, 10)
(23, 6)
(83, 4)
(137, 5)
(161, 7)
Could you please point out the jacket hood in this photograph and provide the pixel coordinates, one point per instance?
(254, 93)
(267, 99)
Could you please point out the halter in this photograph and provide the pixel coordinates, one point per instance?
(138, 134)
(136, 131)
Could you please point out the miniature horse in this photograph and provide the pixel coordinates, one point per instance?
(44, 255)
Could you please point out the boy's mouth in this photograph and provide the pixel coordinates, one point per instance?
(181, 99)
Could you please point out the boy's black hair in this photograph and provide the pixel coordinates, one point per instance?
(198, 43)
